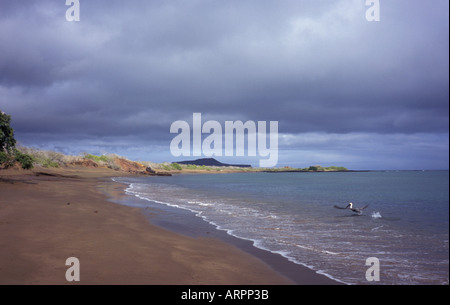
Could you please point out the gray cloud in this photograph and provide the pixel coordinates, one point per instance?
(127, 70)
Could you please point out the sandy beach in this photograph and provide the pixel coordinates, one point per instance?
(47, 216)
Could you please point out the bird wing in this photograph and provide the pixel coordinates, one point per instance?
(338, 207)
(359, 210)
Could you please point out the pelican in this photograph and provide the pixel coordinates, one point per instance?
(353, 209)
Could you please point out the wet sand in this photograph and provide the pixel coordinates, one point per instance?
(47, 216)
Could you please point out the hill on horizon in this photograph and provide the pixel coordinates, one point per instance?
(211, 162)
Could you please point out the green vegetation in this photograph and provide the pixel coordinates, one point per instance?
(102, 158)
(176, 166)
(8, 152)
(5, 159)
(7, 141)
(105, 160)
(199, 167)
(49, 163)
(336, 168)
(25, 160)
(47, 159)
(168, 166)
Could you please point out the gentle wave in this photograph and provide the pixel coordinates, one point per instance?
(312, 234)
(258, 243)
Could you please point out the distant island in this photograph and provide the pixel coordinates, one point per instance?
(313, 168)
(211, 162)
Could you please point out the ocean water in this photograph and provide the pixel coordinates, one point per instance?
(405, 226)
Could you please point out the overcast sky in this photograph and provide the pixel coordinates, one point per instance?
(345, 91)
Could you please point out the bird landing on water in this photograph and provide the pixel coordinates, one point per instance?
(353, 209)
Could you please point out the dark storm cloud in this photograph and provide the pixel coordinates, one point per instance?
(127, 70)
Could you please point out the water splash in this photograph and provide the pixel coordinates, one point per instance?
(376, 215)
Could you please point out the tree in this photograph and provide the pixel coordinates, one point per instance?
(7, 141)
(8, 152)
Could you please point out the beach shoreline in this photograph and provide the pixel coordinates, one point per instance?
(47, 216)
(187, 223)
